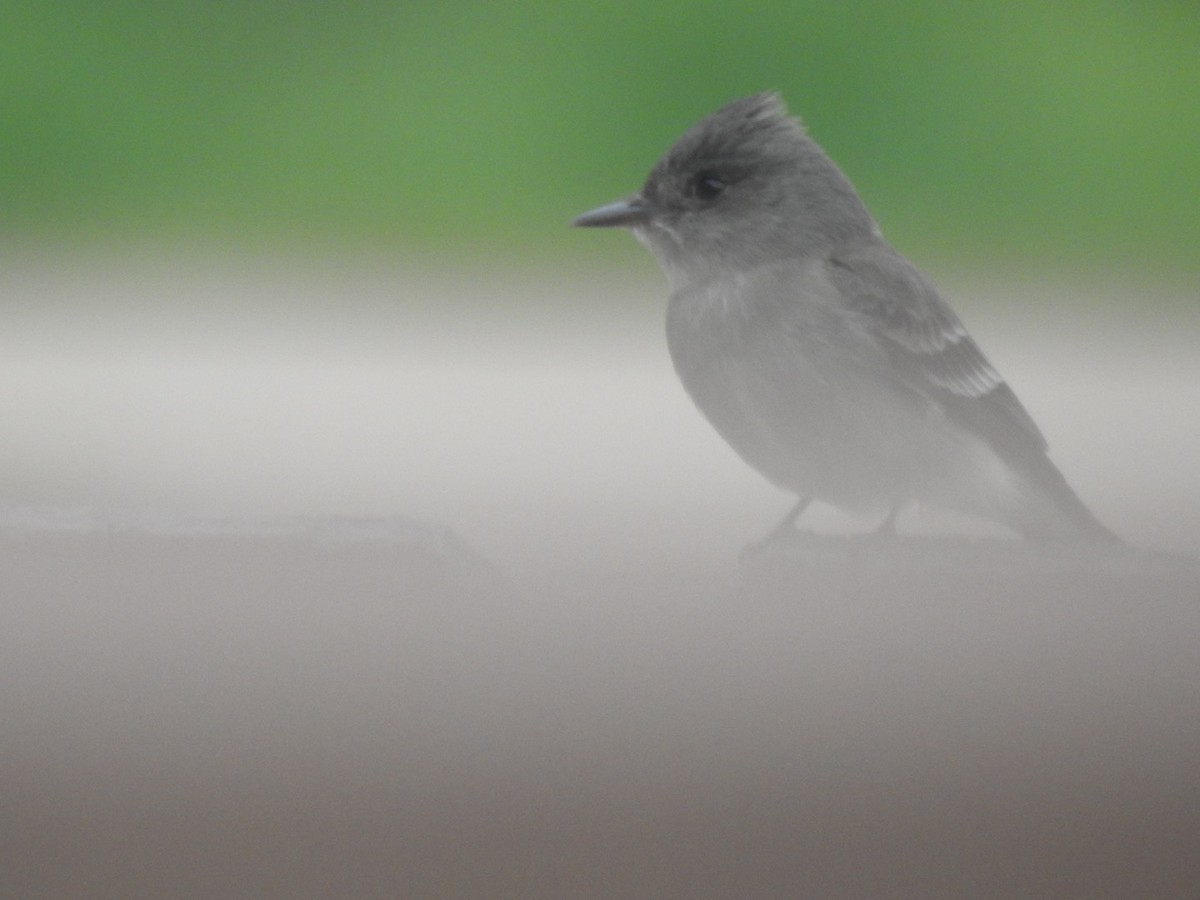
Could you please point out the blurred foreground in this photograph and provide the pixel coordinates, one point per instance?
(230, 668)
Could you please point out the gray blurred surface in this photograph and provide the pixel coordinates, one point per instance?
(218, 698)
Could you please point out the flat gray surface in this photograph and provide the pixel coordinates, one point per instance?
(228, 668)
(224, 715)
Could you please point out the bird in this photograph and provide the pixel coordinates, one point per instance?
(821, 355)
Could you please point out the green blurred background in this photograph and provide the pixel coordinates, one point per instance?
(1066, 132)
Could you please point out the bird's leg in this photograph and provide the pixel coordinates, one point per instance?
(887, 528)
(785, 527)
(788, 523)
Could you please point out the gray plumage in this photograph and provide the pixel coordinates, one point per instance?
(825, 358)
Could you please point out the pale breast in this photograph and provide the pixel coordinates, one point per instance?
(797, 386)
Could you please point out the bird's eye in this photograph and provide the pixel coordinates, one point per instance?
(707, 186)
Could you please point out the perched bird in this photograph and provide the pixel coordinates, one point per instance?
(820, 354)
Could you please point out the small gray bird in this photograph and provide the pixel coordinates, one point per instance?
(823, 356)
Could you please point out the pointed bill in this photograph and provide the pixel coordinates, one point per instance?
(626, 213)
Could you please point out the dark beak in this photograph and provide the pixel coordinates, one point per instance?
(628, 212)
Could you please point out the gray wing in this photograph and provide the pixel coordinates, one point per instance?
(931, 348)
(935, 356)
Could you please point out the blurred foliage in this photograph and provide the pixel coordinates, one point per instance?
(1065, 130)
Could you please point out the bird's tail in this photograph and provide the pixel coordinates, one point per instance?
(1050, 510)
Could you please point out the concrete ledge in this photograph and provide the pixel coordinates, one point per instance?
(327, 708)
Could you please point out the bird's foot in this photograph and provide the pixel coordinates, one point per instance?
(776, 537)
(784, 531)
